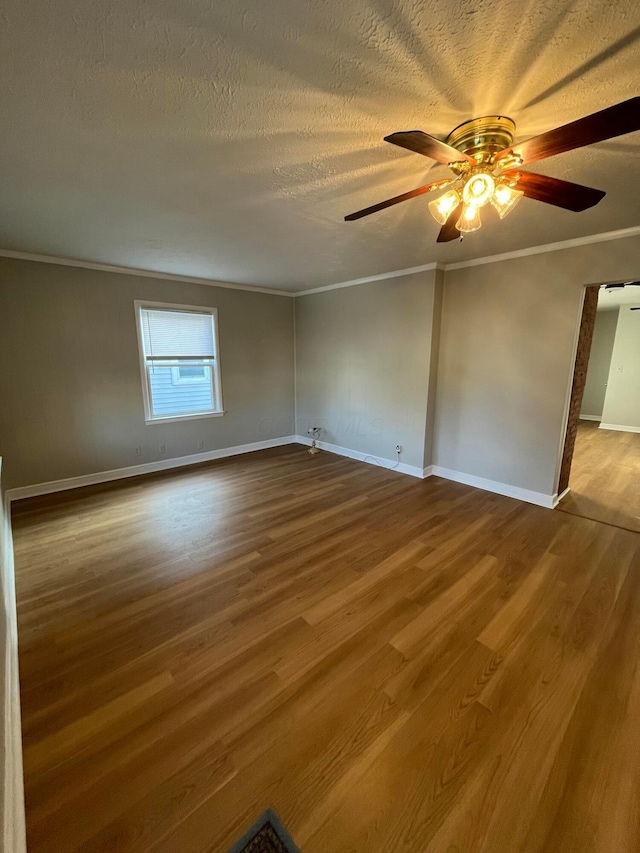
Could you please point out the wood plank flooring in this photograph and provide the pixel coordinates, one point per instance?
(605, 476)
(394, 665)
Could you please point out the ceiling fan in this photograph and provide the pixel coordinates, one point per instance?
(621, 285)
(486, 165)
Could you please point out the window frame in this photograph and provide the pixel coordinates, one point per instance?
(176, 379)
(216, 378)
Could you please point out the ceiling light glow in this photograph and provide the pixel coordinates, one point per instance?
(469, 219)
(479, 189)
(442, 207)
(505, 199)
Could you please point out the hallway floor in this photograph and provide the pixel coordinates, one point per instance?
(605, 477)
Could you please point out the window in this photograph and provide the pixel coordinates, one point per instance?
(188, 374)
(179, 361)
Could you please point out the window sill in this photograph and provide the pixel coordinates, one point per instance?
(170, 419)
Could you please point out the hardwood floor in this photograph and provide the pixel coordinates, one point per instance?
(605, 476)
(392, 664)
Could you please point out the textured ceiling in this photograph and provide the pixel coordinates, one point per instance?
(228, 138)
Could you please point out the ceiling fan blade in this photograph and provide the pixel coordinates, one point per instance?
(429, 146)
(398, 198)
(560, 193)
(606, 124)
(449, 231)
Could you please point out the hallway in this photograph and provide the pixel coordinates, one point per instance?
(605, 477)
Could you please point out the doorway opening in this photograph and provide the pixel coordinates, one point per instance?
(600, 469)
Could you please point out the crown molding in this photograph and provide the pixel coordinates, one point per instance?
(604, 237)
(90, 265)
(489, 259)
(369, 278)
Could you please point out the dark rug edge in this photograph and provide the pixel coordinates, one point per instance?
(269, 816)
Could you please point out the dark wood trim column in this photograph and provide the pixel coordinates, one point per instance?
(579, 378)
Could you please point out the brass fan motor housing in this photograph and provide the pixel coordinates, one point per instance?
(483, 138)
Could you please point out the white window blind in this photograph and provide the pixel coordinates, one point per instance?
(179, 361)
(177, 334)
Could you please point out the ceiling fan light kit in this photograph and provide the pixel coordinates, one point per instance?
(487, 166)
(482, 139)
(441, 207)
(469, 219)
(505, 199)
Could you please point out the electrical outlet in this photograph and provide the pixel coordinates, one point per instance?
(138, 451)
(398, 448)
(201, 445)
(162, 448)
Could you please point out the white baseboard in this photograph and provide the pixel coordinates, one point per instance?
(411, 470)
(590, 417)
(146, 468)
(558, 498)
(620, 427)
(537, 498)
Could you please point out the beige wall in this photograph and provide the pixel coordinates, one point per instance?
(622, 400)
(70, 387)
(604, 333)
(365, 357)
(508, 337)
(435, 319)
(366, 366)
(595, 387)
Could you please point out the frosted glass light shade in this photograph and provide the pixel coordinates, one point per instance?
(505, 199)
(478, 189)
(441, 208)
(469, 219)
